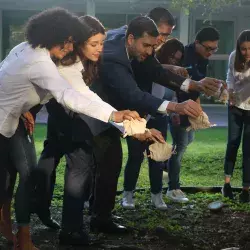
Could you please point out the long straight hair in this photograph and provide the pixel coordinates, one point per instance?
(90, 73)
(239, 64)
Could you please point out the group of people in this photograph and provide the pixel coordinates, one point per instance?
(91, 81)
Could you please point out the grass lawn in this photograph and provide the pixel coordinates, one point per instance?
(202, 163)
(182, 226)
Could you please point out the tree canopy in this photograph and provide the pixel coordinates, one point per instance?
(209, 6)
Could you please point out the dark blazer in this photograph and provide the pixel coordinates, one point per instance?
(195, 64)
(150, 71)
(117, 84)
(67, 125)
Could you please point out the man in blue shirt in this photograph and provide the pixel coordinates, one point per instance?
(196, 62)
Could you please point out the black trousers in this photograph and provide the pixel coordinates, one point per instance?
(78, 176)
(238, 130)
(108, 156)
(17, 156)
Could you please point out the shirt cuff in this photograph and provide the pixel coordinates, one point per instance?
(118, 126)
(163, 108)
(185, 85)
(230, 85)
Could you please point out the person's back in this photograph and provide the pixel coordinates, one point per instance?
(14, 74)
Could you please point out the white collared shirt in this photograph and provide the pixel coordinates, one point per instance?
(27, 77)
(73, 74)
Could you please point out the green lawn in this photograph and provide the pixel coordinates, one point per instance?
(191, 222)
(202, 163)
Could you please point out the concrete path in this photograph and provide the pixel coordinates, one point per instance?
(217, 114)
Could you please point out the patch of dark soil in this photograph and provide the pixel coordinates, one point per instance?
(200, 229)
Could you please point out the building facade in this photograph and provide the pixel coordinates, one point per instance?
(114, 13)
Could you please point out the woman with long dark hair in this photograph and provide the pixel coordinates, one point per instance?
(171, 52)
(238, 78)
(68, 134)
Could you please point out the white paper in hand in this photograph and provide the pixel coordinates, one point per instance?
(160, 151)
(133, 127)
(201, 122)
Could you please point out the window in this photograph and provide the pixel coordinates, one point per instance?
(217, 69)
(13, 28)
(111, 21)
(226, 29)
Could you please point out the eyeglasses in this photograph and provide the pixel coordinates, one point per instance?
(164, 35)
(209, 49)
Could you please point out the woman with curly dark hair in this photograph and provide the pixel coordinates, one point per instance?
(28, 77)
(171, 52)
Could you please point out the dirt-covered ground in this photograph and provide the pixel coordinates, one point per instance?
(181, 227)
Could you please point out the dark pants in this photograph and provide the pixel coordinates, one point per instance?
(181, 139)
(18, 156)
(136, 155)
(238, 125)
(4, 170)
(108, 155)
(45, 174)
(78, 177)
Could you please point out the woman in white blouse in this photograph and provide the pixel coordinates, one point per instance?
(238, 79)
(28, 76)
(79, 68)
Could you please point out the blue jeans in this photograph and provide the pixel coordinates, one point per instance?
(181, 139)
(136, 156)
(238, 125)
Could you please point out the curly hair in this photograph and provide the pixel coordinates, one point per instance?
(168, 49)
(54, 27)
(94, 27)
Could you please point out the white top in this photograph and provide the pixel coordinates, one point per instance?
(27, 76)
(240, 83)
(73, 74)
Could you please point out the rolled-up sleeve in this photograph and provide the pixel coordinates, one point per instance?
(73, 75)
(45, 75)
(230, 76)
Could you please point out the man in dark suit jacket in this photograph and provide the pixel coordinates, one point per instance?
(117, 86)
(165, 23)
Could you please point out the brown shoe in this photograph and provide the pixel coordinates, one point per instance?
(24, 241)
(6, 223)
